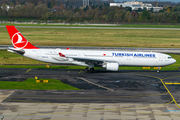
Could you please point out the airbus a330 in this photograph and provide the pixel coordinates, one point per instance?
(110, 60)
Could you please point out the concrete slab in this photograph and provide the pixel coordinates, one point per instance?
(85, 112)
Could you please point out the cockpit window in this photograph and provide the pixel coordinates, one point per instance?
(169, 57)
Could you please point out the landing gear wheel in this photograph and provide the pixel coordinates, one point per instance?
(86, 70)
(158, 69)
(91, 70)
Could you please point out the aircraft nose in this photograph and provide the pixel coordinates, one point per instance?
(173, 60)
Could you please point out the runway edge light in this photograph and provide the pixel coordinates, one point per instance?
(36, 78)
(157, 68)
(45, 81)
(47, 66)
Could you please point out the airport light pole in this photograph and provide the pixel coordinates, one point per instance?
(85, 3)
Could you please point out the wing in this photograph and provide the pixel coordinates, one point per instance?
(86, 60)
(90, 60)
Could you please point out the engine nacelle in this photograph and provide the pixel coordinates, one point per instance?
(111, 66)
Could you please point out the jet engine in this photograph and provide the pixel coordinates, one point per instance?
(111, 66)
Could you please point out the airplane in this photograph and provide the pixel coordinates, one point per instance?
(110, 60)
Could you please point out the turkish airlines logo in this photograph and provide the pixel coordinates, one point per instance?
(19, 41)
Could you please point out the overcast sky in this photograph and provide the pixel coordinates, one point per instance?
(149, 0)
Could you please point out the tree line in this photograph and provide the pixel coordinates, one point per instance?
(94, 13)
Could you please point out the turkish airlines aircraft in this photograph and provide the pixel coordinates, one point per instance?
(111, 60)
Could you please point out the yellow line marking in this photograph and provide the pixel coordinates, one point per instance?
(28, 70)
(170, 77)
(96, 84)
(68, 71)
(163, 85)
(172, 83)
(80, 71)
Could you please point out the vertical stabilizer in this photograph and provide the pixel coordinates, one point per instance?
(18, 40)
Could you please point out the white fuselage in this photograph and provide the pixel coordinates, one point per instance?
(124, 58)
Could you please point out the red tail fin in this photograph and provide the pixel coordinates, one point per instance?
(18, 40)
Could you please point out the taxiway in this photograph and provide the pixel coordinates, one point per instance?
(103, 95)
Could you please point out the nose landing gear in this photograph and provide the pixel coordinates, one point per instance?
(90, 70)
(158, 69)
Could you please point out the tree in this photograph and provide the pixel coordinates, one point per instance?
(111, 16)
(100, 7)
(118, 17)
(152, 10)
(178, 18)
(51, 4)
(161, 11)
(76, 15)
(46, 16)
(144, 9)
(61, 6)
(146, 15)
(128, 9)
(127, 16)
(94, 6)
(168, 9)
(139, 10)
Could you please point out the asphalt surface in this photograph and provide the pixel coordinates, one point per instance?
(98, 87)
(97, 27)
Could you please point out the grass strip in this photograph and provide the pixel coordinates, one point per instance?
(97, 37)
(30, 84)
(42, 66)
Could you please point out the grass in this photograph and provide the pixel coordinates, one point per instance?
(30, 84)
(37, 66)
(12, 60)
(97, 37)
(113, 25)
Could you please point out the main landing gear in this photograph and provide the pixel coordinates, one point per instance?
(158, 69)
(90, 70)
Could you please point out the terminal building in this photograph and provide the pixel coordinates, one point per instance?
(137, 5)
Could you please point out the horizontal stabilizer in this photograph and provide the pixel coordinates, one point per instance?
(20, 51)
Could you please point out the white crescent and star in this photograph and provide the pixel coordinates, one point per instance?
(19, 41)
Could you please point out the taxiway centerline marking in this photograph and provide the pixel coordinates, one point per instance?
(96, 84)
(172, 83)
(171, 77)
(163, 85)
(28, 70)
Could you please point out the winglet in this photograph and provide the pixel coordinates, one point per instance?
(61, 55)
(18, 40)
